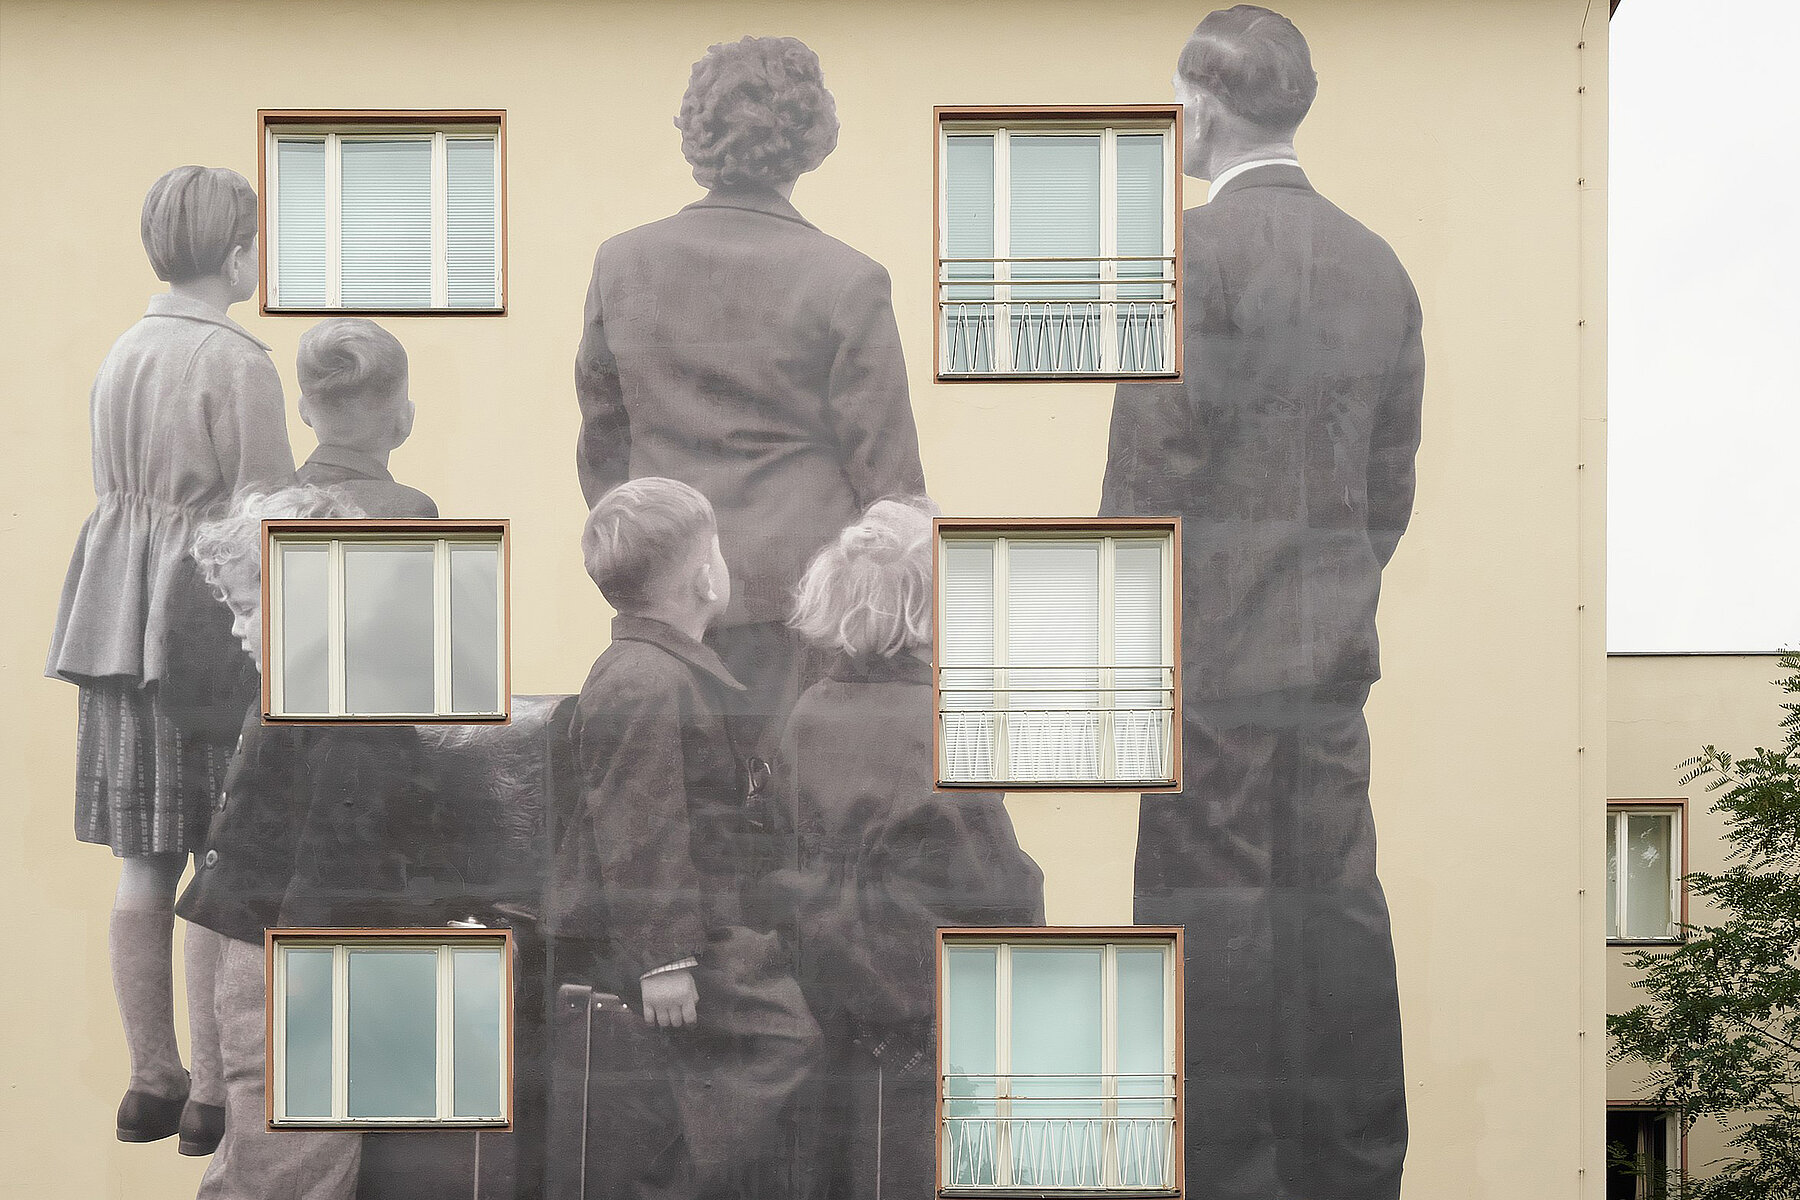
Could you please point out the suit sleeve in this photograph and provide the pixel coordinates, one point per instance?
(246, 418)
(638, 816)
(1156, 454)
(868, 407)
(1391, 479)
(603, 448)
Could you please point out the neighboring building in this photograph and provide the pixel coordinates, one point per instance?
(452, 168)
(1661, 709)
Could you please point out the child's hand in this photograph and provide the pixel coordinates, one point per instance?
(670, 999)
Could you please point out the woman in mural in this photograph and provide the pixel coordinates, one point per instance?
(884, 860)
(186, 410)
(735, 347)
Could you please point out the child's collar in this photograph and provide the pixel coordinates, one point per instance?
(627, 628)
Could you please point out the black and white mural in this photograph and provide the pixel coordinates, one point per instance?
(724, 861)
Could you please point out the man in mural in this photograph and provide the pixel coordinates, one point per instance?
(1287, 448)
(737, 348)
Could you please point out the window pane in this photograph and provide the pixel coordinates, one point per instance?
(967, 649)
(1054, 212)
(393, 1033)
(299, 223)
(386, 239)
(1057, 1131)
(472, 240)
(307, 1041)
(478, 1032)
(305, 615)
(1648, 870)
(475, 629)
(1053, 644)
(1141, 733)
(1612, 875)
(1145, 1123)
(388, 637)
(1142, 322)
(968, 335)
(970, 1043)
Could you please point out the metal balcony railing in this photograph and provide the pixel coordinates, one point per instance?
(1056, 724)
(1094, 1132)
(1057, 316)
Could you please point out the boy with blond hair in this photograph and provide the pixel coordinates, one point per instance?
(646, 898)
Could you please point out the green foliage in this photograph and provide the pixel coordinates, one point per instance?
(1721, 1028)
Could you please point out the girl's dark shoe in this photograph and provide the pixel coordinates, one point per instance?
(202, 1127)
(147, 1118)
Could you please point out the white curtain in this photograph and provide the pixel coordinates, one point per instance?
(1052, 657)
(471, 239)
(385, 244)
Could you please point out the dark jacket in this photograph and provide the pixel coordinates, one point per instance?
(365, 480)
(323, 826)
(883, 859)
(652, 861)
(735, 347)
(1287, 448)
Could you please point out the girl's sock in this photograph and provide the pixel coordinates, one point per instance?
(142, 946)
(201, 963)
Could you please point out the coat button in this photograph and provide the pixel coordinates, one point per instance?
(211, 859)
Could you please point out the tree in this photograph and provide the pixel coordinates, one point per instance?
(1721, 1029)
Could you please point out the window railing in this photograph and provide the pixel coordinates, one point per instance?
(1090, 1132)
(1057, 724)
(1057, 316)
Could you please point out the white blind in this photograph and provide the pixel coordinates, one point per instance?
(967, 656)
(1055, 211)
(1053, 650)
(472, 244)
(386, 223)
(1138, 719)
(300, 222)
(1140, 209)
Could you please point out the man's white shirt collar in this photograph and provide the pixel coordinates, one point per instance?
(1231, 173)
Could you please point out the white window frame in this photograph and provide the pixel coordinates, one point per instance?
(1618, 814)
(442, 536)
(1106, 532)
(351, 127)
(1001, 124)
(341, 943)
(1169, 939)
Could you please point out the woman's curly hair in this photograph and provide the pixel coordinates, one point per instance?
(756, 112)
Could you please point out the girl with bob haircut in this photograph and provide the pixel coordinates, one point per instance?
(883, 859)
(186, 411)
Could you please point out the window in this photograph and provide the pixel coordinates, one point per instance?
(383, 211)
(1058, 243)
(385, 620)
(1644, 849)
(1056, 660)
(392, 1028)
(1059, 1061)
(1643, 1154)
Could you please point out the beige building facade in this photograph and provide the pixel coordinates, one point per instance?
(1472, 138)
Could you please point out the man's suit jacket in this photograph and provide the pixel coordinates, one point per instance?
(1287, 448)
(735, 347)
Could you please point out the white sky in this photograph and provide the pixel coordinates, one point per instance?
(1704, 318)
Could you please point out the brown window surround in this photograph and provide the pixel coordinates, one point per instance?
(375, 120)
(1170, 936)
(950, 529)
(1679, 806)
(422, 531)
(422, 937)
(1032, 119)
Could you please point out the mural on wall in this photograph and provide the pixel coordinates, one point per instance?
(724, 861)
(1287, 450)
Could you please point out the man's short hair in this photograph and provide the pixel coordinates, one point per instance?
(1255, 63)
(638, 533)
(193, 218)
(349, 360)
